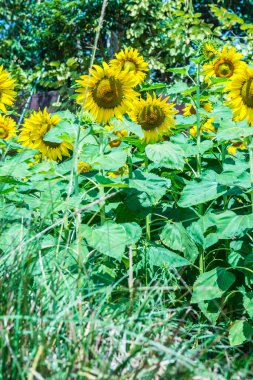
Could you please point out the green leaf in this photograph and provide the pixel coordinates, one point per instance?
(193, 150)
(240, 332)
(197, 192)
(133, 232)
(10, 168)
(211, 309)
(233, 133)
(150, 187)
(175, 236)
(128, 125)
(111, 161)
(212, 284)
(248, 303)
(177, 88)
(111, 239)
(166, 154)
(230, 224)
(154, 86)
(179, 70)
(162, 257)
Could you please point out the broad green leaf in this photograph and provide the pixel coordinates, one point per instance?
(226, 134)
(111, 239)
(239, 332)
(175, 237)
(230, 224)
(128, 125)
(212, 284)
(111, 161)
(10, 168)
(197, 192)
(192, 150)
(248, 303)
(166, 154)
(162, 257)
(177, 88)
(211, 309)
(133, 232)
(63, 131)
(150, 187)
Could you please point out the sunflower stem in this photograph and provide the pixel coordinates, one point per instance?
(223, 157)
(130, 167)
(148, 232)
(101, 188)
(198, 159)
(250, 148)
(78, 216)
(198, 122)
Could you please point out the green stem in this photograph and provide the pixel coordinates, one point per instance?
(198, 122)
(101, 188)
(250, 148)
(223, 156)
(198, 159)
(148, 232)
(78, 216)
(130, 167)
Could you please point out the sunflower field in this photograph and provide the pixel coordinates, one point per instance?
(126, 244)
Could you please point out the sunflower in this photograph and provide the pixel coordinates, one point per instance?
(121, 172)
(154, 115)
(35, 129)
(232, 149)
(6, 89)
(207, 129)
(241, 95)
(121, 133)
(106, 92)
(130, 59)
(190, 109)
(226, 64)
(209, 49)
(7, 127)
(83, 167)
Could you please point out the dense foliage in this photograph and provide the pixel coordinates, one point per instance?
(126, 246)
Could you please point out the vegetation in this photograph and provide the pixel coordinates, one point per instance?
(127, 214)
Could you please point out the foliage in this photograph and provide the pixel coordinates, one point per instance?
(128, 260)
(58, 36)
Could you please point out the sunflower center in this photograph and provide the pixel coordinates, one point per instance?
(129, 65)
(3, 133)
(151, 117)
(108, 93)
(247, 92)
(51, 144)
(224, 69)
(192, 110)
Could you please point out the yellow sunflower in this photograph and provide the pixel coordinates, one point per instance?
(190, 109)
(207, 129)
(121, 172)
(106, 92)
(154, 115)
(7, 127)
(232, 149)
(83, 167)
(226, 64)
(241, 95)
(130, 59)
(120, 134)
(6, 89)
(209, 50)
(34, 130)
